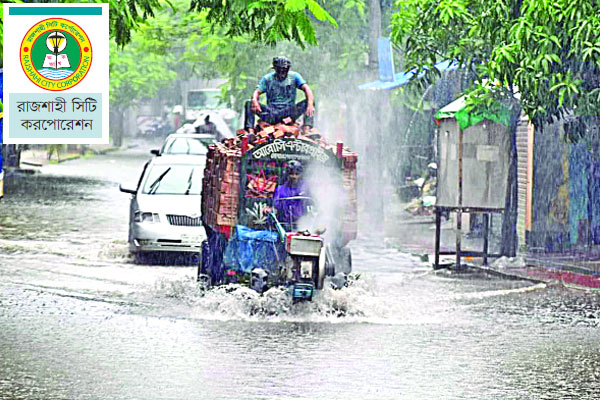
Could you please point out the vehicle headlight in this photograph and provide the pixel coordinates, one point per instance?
(306, 269)
(146, 217)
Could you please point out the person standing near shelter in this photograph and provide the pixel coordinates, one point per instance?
(280, 87)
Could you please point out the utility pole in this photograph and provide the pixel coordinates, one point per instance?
(374, 34)
(374, 113)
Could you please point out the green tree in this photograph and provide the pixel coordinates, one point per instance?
(242, 60)
(201, 47)
(135, 73)
(125, 15)
(543, 57)
(266, 21)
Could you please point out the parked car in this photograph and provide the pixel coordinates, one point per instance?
(164, 215)
(185, 143)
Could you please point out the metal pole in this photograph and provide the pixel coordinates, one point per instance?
(460, 201)
(438, 220)
(486, 221)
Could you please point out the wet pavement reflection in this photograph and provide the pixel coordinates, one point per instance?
(80, 320)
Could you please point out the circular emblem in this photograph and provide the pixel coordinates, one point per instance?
(56, 54)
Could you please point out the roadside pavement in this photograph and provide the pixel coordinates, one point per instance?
(416, 235)
(41, 155)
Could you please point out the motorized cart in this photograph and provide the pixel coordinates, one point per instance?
(248, 241)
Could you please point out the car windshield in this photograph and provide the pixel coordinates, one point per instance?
(174, 179)
(184, 145)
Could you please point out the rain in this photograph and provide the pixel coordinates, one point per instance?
(83, 317)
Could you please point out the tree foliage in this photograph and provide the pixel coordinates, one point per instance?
(539, 56)
(136, 72)
(243, 60)
(266, 21)
(205, 50)
(198, 47)
(547, 51)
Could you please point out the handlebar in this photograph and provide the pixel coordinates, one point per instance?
(296, 198)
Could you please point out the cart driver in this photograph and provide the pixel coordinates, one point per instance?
(290, 211)
(280, 87)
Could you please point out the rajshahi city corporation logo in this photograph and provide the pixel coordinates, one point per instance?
(56, 54)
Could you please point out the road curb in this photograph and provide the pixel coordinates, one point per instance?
(39, 158)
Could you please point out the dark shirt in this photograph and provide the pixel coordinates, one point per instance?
(289, 210)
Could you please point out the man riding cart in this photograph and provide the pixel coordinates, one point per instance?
(280, 87)
(260, 209)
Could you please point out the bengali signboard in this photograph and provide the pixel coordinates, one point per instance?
(292, 149)
(56, 64)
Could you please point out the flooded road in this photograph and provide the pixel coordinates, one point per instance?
(80, 320)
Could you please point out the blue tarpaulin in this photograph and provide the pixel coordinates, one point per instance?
(402, 78)
(250, 248)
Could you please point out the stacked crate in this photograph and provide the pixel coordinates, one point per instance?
(220, 186)
(206, 194)
(350, 221)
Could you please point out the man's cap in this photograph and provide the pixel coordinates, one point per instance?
(281, 62)
(295, 166)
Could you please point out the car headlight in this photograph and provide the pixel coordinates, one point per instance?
(146, 217)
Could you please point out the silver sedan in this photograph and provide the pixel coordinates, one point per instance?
(165, 207)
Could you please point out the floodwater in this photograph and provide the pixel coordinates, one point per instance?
(80, 320)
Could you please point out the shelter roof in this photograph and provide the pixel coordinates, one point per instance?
(402, 78)
(466, 118)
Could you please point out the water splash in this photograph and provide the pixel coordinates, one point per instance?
(362, 301)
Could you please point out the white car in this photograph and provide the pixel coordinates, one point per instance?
(185, 143)
(164, 213)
